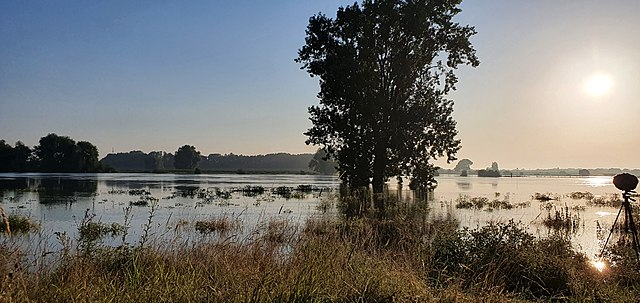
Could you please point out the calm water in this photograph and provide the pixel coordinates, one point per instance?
(59, 201)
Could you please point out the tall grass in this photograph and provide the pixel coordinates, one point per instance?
(399, 256)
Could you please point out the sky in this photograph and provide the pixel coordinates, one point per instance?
(558, 84)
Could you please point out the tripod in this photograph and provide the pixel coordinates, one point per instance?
(629, 225)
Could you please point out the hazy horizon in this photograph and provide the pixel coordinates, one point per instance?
(556, 87)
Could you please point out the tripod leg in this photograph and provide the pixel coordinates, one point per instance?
(632, 225)
(611, 231)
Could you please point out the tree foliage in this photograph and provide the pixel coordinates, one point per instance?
(53, 154)
(187, 157)
(62, 154)
(385, 69)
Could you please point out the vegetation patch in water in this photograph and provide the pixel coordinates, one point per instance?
(577, 195)
(562, 220)
(610, 200)
(16, 223)
(220, 225)
(467, 202)
(544, 197)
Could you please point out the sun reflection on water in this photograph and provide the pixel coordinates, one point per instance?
(599, 181)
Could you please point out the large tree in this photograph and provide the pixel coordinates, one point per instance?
(385, 69)
(57, 154)
(187, 157)
(86, 157)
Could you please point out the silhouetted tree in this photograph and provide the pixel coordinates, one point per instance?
(321, 164)
(384, 69)
(86, 157)
(56, 154)
(463, 165)
(186, 157)
(155, 160)
(23, 158)
(7, 155)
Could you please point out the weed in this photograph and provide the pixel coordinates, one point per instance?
(221, 225)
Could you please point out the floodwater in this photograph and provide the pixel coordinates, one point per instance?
(59, 201)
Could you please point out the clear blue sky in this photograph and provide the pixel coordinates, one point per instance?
(154, 75)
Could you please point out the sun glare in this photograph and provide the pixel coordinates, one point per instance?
(598, 265)
(598, 84)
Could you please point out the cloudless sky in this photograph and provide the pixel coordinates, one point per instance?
(220, 75)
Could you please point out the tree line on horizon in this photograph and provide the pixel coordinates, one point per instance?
(276, 162)
(53, 154)
(61, 154)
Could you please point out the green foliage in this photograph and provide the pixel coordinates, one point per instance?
(90, 233)
(385, 68)
(187, 157)
(505, 256)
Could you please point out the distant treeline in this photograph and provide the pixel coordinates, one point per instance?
(53, 154)
(556, 172)
(161, 161)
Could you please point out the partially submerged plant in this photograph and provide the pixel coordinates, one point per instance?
(16, 223)
(562, 220)
(220, 225)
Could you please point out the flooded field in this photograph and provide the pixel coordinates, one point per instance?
(582, 208)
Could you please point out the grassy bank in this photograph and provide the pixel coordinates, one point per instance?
(400, 257)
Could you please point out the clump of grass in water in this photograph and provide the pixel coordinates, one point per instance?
(577, 195)
(544, 197)
(90, 233)
(16, 223)
(466, 202)
(562, 220)
(221, 225)
(610, 200)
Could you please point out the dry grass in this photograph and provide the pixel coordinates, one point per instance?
(398, 257)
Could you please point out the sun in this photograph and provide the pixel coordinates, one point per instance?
(598, 84)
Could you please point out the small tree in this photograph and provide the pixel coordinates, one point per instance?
(87, 157)
(187, 157)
